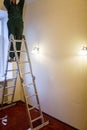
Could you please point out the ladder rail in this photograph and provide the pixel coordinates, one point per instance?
(20, 75)
(6, 71)
(33, 78)
(14, 87)
(5, 74)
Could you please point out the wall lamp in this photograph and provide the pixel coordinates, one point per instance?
(83, 51)
(35, 50)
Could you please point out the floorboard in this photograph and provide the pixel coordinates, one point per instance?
(18, 120)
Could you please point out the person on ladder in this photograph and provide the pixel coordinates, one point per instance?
(15, 23)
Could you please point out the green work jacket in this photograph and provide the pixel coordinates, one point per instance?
(15, 11)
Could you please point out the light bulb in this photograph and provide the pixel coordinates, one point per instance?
(35, 50)
(83, 51)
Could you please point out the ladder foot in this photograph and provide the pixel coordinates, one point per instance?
(40, 126)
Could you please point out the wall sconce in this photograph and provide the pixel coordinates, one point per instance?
(83, 51)
(35, 50)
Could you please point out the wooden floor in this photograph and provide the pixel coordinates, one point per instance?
(17, 119)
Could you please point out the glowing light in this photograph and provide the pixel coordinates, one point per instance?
(83, 51)
(35, 50)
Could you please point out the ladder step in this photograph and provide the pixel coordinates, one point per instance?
(20, 62)
(36, 118)
(26, 73)
(7, 102)
(28, 85)
(31, 108)
(20, 51)
(12, 79)
(11, 61)
(40, 126)
(11, 51)
(18, 40)
(31, 96)
(13, 70)
(9, 87)
(9, 105)
(8, 94)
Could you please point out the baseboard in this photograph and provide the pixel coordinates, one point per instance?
(52, 117)
(60, 121)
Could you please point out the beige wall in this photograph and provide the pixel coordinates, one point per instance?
(60, 27)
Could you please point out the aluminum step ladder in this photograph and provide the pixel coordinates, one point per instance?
(23, 68)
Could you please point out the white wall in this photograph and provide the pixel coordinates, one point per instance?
(60, 27)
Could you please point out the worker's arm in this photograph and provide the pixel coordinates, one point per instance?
(7, 4)
(21, 3)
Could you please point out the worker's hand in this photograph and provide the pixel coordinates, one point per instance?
(11, 1)
(14, 1)
(17, 1)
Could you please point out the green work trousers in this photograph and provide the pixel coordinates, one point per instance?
(15, 27)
